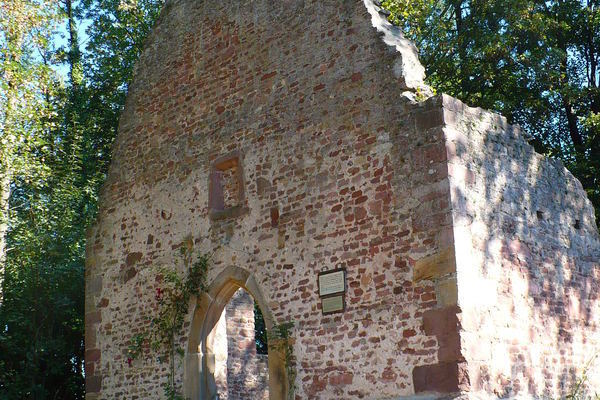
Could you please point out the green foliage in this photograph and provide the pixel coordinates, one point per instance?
(115, 41)
(55, 140)
(41, 310)
(173, 297)
(26, 85)
(260, 331)
(536, 62)
(282, 331)
(41, 347)
(172, 394)
(115, 38)
(579, 390)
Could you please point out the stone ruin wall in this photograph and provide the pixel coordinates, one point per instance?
(339, 169)
(242, 373)
(309, 98)
(528, 260)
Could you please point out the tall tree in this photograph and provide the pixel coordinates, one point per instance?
(25, 28)
(59, 151)
(115, 41)
(534, 61)
(37, 312)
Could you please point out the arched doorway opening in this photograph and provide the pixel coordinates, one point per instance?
(204, 352)
(241, 356)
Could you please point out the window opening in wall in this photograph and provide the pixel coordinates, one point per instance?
(231, 186)
(226, 192)
(241, 369)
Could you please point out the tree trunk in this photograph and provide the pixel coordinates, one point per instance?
(592, 60)
(74, 53)
(563, 80)
(4, 197)
(460, 40)
(572, 125)
(6, 179)
(14, 40)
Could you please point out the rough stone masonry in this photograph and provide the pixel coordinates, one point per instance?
(293, 137)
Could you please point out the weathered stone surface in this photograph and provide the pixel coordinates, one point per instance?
(447, 377)
(93, 384)
(528, 279)
(441, 321)
(435, 266)
(133, 258)
(407, 67)
(447, 292)
(454, 286)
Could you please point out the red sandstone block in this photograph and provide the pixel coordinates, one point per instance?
(388, 375)
(92, 355)
(341, 379)
(428, 297)
(429, 119)
(409, 333)
(269, 75)
(360, 199)
(442, 377)
(92, 318)
(318, 384)
(441, 321)
(93, 384)
(449, 347)
(89, 368)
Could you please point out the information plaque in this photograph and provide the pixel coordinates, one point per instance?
(332, 282)
(332, 304)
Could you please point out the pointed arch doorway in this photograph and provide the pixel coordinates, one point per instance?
(201, 353)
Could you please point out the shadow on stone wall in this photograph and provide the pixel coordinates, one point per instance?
(528, 256)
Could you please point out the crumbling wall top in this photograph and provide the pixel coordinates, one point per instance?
(408, 69)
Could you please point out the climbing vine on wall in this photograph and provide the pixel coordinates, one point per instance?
(173, 296)
(580, 391)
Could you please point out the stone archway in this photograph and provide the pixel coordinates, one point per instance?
(199, 367)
